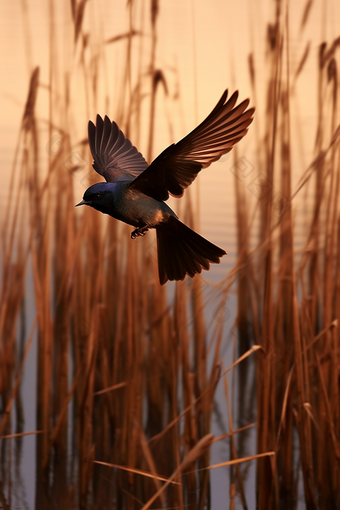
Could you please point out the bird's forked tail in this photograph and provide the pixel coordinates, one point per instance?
(182, 251)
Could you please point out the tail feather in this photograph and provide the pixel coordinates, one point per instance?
(182, 251)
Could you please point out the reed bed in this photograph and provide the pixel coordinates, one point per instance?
(124, 394)
(292, 302)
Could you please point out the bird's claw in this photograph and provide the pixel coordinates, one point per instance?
(139, 232)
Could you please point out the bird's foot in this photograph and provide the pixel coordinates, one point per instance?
(139, 232)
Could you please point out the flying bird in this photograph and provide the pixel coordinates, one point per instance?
(135, 192)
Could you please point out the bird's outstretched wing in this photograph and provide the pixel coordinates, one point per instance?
(115, 158)
(178, 165)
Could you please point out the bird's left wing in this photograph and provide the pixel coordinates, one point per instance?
(178, 165)
(115, 158)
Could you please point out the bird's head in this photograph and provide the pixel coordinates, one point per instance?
(99, 196)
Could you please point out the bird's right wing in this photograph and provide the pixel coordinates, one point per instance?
(178, 165)
(115, 158)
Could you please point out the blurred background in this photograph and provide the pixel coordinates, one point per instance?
(101, 364)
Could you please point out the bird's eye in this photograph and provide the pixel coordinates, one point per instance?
(97, 196)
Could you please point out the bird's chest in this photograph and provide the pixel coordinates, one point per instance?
(139, 209)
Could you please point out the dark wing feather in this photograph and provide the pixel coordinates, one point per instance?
(178, 165)
(115, 158)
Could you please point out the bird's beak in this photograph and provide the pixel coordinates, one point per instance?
(83, 202)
